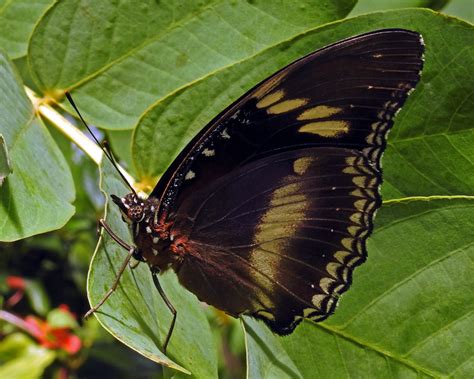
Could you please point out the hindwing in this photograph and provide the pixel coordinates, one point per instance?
(278, 238)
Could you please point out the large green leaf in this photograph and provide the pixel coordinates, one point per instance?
(17, 20)
(118, 58)
(436, 119)
(36, 197)
(136, 314)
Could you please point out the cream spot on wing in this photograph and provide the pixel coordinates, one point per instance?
(357, 192)
(287, 106)
(345, 274)
(353, 230)
(370, 138)
(190, 175)
(317, 300)
(353, 261)
(332, 268)
(326, 128)
(360, 204)
(156, 240)
(225, 134)
(155, 252)
(350, 170)
(351, 161)
(308, 311)
(347, 243)
(266, 315)
(359, 181)
(341, 255)
(330, 304)
(271, 99)
(339, 288)
(375, 125)
(321, 111)
(325, 283)
(302, 164)
(148, 230)
(372, 184)
(286, 208)
(209, 152)
(356, 218)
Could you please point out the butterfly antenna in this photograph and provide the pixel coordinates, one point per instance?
(104, 147)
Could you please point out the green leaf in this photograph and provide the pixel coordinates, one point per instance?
(21, 358)
(5, 165)
(266, 358)
(17, 20)
(119, 58)
(135, 313)
(367, 6)
(37, 297)
(37, 196)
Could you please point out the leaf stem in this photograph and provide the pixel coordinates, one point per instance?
(18, 322)
(70, 131)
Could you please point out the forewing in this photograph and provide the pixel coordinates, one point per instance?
(279, 238)
(344, 95)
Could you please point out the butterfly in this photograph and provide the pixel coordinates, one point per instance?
(267, 210)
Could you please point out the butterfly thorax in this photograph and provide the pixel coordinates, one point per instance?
(152, 235)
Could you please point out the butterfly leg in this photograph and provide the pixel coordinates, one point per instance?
(154, 274)
(132, 251)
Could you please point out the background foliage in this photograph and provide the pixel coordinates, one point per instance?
(149, 75)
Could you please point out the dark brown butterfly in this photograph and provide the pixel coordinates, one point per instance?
(266, 212)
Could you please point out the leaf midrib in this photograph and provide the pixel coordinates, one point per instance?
(337, 333)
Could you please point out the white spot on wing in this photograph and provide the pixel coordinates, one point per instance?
(224, 134)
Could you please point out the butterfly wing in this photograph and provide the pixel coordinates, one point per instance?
(344, 95)
(272, 202)
(278, 238)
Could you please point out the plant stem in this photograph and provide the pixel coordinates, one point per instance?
(70, 131)
(18, 322)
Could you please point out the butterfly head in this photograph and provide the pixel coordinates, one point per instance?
(131, 206)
